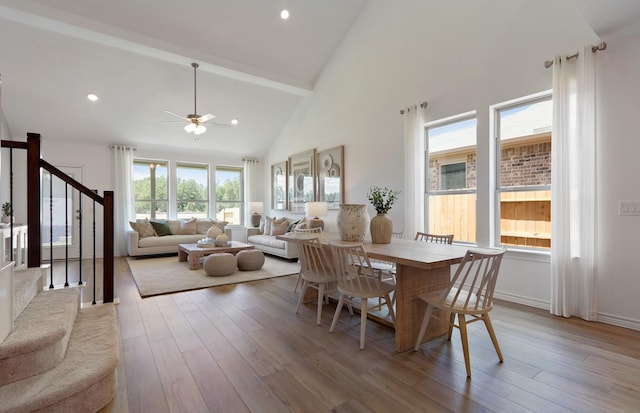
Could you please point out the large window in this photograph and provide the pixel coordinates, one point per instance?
(229, 194)
(192, 190)
(150, 189)
(451, 177)
(524, 173)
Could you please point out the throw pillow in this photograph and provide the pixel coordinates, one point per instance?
(188, 227)
(267, 225)
(174, 226)
(292, 225)
(143, 227)
(279, 228)
(213, 232)
(161, 228)
(301, 225)
(203, 224)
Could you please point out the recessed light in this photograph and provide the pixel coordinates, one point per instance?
(284, 14)
(92, 97)
(234, 121)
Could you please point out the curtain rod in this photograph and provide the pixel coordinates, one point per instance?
(249, 160)
(133, 148)
(422, 105)
(599, 46)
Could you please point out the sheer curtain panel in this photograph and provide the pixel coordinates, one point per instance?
(124, 207)
(414, 172)
(573, 187)
(251, 185)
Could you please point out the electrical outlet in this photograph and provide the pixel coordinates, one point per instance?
(627, 208)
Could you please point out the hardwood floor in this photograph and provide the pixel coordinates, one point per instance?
(241, 348)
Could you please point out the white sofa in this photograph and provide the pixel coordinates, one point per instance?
(166, 244)
(262, 239)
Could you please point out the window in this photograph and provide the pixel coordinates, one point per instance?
(150, 189)
(524, 173)
(192, 191)
(229, 194)
(451, 177)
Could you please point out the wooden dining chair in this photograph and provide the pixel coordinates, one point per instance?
(438, 239)
(317, 271)
(470, 293)
(356, 279)
(315, 230)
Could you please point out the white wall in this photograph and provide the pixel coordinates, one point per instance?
(463, 56)
(618, 169)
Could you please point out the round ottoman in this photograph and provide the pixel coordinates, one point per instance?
(219, 265)
(250, 260)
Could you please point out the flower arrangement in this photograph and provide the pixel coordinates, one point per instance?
(6, 209)
(382, 199)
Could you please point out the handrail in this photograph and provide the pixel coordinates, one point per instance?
(66, 178)
(34, 165)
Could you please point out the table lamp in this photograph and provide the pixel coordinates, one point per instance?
(256, 209)
(316, 210)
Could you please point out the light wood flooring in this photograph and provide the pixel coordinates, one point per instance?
(241, 348)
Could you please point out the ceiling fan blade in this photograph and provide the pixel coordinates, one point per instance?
(219, 124)
(206, 117)
(175, 114)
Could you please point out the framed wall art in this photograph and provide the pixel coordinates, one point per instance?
(330, 176)
(301, 180)
(279, 177)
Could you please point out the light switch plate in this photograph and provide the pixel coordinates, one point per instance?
(626, 208)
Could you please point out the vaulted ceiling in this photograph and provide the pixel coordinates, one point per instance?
(136, 56)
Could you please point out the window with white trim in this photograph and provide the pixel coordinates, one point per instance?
(192, 190)
(229, 195)
(150, 189)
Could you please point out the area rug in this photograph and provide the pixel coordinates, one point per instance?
(163, 275)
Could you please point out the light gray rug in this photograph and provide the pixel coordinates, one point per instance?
(164, 275)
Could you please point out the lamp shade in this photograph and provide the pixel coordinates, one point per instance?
(316, 209)
(256, 207)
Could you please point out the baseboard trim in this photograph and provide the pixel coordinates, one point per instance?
(519, 299)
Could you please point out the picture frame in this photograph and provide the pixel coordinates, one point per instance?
(330, 176)
(279, 186)
(301, 180)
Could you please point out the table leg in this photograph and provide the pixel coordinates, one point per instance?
(410, 282)
(194, 261)
(182, 255)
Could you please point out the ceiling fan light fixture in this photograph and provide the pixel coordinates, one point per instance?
(200, 129)
(190, 127)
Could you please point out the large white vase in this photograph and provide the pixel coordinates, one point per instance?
(353, 222)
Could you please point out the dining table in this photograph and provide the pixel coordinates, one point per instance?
(421, 267)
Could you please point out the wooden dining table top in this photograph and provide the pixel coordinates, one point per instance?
(411, 253)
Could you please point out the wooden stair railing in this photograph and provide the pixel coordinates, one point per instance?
(34, 236)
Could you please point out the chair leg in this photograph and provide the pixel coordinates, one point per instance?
(389, 302)
(462, 325)
(305, 284)
(320, 300)
(295, 289)
(492, 334)
(337, 313)
(452, 320)
(363, 321)
(423, 327)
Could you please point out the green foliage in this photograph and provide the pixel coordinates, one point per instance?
(6, 209)
(382, 199)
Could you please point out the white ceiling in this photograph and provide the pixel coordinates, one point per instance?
(136, 55)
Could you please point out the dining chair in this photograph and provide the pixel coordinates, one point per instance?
(317, 271)
(356, 279)
(470, 293)
(315, 230)
(438, 239)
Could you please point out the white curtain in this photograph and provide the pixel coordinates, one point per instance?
(251, 185)
(123, 193)
(414, 170)
(573, 187)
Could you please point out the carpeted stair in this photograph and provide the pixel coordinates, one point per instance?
(59, 358)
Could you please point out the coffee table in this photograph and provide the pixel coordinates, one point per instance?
(193, 253)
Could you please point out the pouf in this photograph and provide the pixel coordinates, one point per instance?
(250, 260)
(219, 265)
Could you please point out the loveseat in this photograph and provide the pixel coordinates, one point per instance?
(264, 237)
(163, 236)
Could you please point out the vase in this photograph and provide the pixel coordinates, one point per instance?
(381, 228)
(353, 222)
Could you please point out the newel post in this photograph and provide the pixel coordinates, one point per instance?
(33, 200)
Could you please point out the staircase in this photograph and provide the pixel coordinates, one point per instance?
(58, 357)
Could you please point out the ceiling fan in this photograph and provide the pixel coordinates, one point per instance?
(195, 122)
